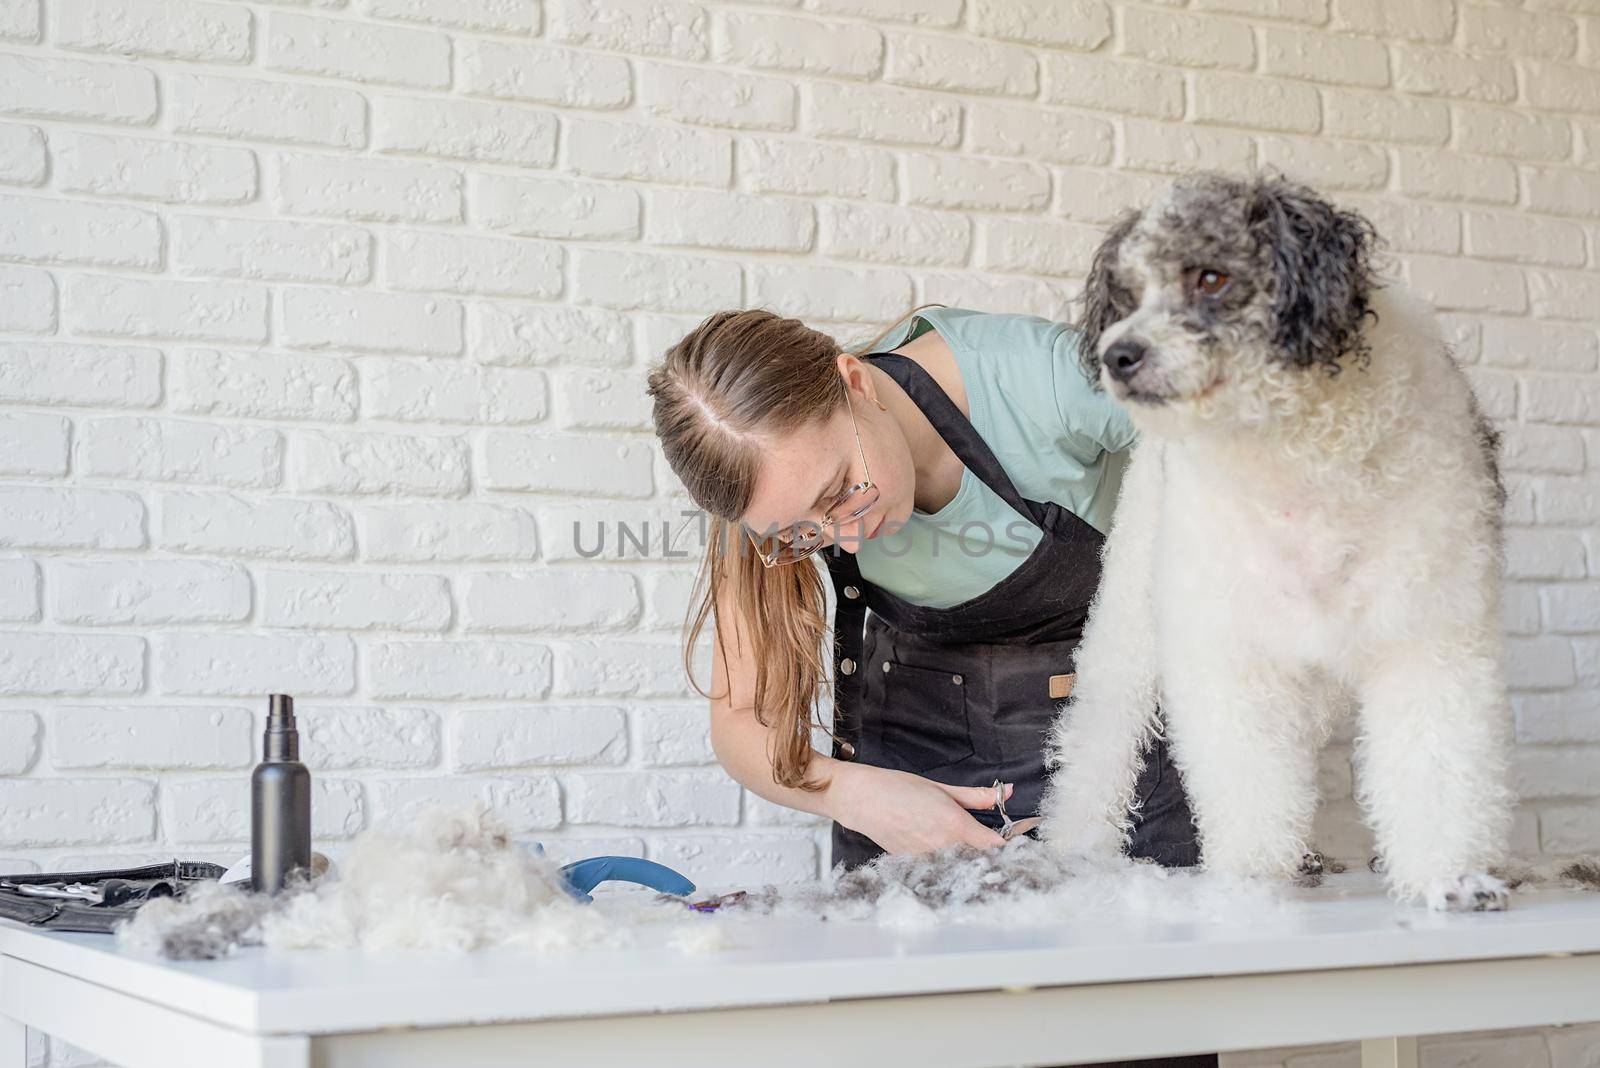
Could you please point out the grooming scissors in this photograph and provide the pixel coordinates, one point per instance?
(1011, 828)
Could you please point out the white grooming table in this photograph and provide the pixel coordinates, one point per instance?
(1341, 963)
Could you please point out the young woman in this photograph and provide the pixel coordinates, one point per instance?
(956, 479)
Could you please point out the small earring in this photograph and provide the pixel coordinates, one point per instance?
(881, 406)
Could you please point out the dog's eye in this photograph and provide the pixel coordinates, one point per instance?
(1121, 295)
(1210, 282)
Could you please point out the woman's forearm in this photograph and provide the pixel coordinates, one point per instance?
(744, 748)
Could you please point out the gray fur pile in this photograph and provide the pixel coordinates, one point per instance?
(209, 921)
(1021, 883)
(1027, 882)
(1570, 874)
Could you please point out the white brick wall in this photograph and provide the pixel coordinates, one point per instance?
(322, 336)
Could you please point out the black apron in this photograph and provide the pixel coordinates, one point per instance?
(961, 695)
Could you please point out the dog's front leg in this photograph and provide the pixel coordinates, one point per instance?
(1244, 736)
(1431, 772)
(1095, 744)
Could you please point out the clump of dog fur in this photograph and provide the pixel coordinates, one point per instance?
(1018, 884)
(456, 882)
(210, 920)
(1028, 882)
(1569, 874)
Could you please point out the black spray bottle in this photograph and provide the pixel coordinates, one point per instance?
(280, 802)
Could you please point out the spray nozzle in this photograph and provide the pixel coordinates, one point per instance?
(280, 712)
(281, 739)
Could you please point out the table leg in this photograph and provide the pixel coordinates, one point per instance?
(13, 1043)
(1389, 1053)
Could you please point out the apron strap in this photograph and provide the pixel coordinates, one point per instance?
(956, 429)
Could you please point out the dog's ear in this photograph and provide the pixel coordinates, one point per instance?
(1104, 301)
(1322, 256)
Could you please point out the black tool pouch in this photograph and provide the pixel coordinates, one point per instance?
(123, 890)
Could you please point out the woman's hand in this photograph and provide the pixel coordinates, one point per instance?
(907, 813)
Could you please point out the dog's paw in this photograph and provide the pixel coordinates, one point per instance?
(1468, 893)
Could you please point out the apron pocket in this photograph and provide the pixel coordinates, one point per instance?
(923, 718)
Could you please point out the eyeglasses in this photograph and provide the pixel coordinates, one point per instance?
(800, 540)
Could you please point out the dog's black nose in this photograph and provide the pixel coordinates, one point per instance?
(1124, 358)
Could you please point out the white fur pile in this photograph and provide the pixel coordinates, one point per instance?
(455, 882)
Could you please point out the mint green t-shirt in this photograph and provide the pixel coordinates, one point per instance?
(1056, 436)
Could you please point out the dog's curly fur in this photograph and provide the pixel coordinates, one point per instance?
(1310, 519)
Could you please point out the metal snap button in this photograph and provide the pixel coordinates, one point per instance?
(956, 679)
(846, 750)
(847, 666)
(886, 667)
(851, 592)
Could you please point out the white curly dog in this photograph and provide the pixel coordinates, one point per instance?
(1310, 521)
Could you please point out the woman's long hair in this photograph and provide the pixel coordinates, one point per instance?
(721, 394)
